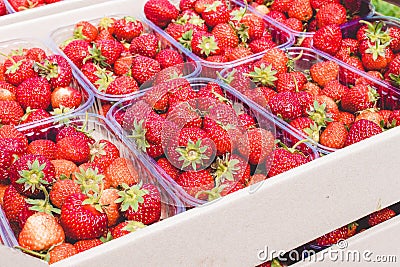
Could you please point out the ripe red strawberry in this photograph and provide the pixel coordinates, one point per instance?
(376, 57)
(277, 15)
(204, 44)
(122, 65)
(85, 30)
(61, 252)
(334, 135)
(41, 232)
(15, 141)
(76, 132)
(196, 182)
(34, 93)
(334, 89)
(107, 200)
(328, 39)
(146, 45)
(294, 24)
(361, 130)
(64, 168)
(394, 33)
(225, 35)
(18, 69)
(122, 85)
(312, 88)
(348, 76)
(171, 170)
(370, 114)
(331, 107)
(301, 10)
(80, 218)
(286, 105)
(144, 68)
(168, 58)
(332, 13)
(277, 58)
(333, 237)
(359, 97)
(231, 168)
(255, 26)
(324, 72)
(83, 245)
(290, 82)
(10, 112)
(3, 9)
(42, 147)
(121, 171)
(186, 4)
(127, 28)
(7, 91)
(261, 45)
(256, 145)
(13, 204)
(380, 216)
(66, 97)
(348, 48)
(239, 53)
(30, 172)
(105, 52)
(125, 228)
(74, 149)
(35, 53)
(160, 12)
(215, 13)
(307, 127)
(77, 51)
(55, 69)
(61, 189)
(317, 4)
(140, 203)
(285, 159)
(217, 132)
(103, 153)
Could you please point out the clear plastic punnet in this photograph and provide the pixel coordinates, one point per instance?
(100, 128)
(302, 60)
(280, 36)
(13, 47)
(27, 6)
(217, 134)
(190, 68)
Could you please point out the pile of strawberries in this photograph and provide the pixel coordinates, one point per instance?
(35, 85)
(325, 102)
(371, 46)
(214, 30)
(68, 192)
(208, 142)
(117, 55)
(21, 5)
(309, 15)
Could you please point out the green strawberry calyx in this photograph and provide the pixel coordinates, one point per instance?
(212, 194)
(32, 177)
(395, 79)
(375, 32)
(105, 78)
(318, 114)
(208, 45)
(105, 23)
(133, 226)
(213, 6)
(97, 150)
(313, 132)
(131, 197)
(43, 205)
(97, 56)
(263, 74)
(192, 154)
(139, 135)
(90, 181)
(373, 95)
(47, 70)
(186, 39)
(225, 169)
(377, 50)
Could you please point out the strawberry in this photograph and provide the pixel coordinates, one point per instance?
(286, 105)
(204, 44)
(194, 182)
(36, 115)
(66, 97)
(255, 26)
(168, 58)
(256, 145)
(6, 159)
(348, 48)
(394, 33)
(217, 132)
(380, 216)
(77, 51)
(324, 72)
(307, 127)
(361, 130)
(332, 13)
(333, 237)
(125, 228)
(277, 58)
(85, 30)
(18, 69)
(294, 24)
(301, 10)
(280, 5)
(330, 108)
(122, 65)
(146, 45)
(377, 57)
(10, 112)
(277, 15)
(144, 68)
(261, 45)
(7, 91)
(358, 98)
(16, 141)
(76, 132)
(121, 171)
(317, 4)
(155, 150)
(30, 173)
(34, 93)
(61, 189)
(290, 82)
(107, 200)
(103, 153)
(334, 135)
(231, 168)
(41, 231)
(74, 149)
(312, 88)
(105, 52)
(385, 114)
(186, 4)
(83, 245)
(140, 203)
(13, 204)
(122, 85)
(42, 147)
(328, 39)
(225, 35)
(347, 75)
(61, 252)
(127, 28)
(35, 53)
(3, 9)
(215, 13)
(55, 69)
(371, 115)
(285, 159)
(334, 89)
(239, 53)
(80, 218)
(160, 12)
(170, 169)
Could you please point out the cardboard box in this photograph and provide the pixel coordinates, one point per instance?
(283, 212)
